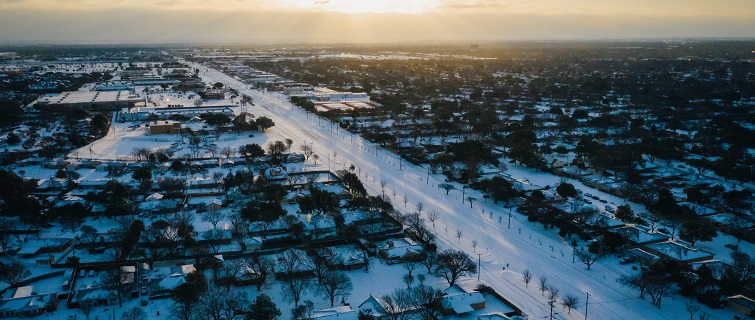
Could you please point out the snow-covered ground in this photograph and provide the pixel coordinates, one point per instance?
(523, 246)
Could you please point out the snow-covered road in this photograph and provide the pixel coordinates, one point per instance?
(522, 246)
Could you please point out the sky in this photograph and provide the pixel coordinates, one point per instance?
(367, 21)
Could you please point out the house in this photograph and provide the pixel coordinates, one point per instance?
(348, 257)
(741, 304)
(678, 252)
(400, 249)
(41, 246)
(377, 308)
(276, 173)
(461, 303)
(337, 313)
(639, 235)
(293, 263)
(318, 226)
(164, 280)
(28, 305)
(469, 298)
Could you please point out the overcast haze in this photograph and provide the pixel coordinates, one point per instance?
(241, 21)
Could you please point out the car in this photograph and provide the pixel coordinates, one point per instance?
(143, 302)
(627, 260)
(731, 246)
(82, 273)
(587, 200)
(610, 209)
(143, 291)
(603, 200)
(91, 273)
(145, 278)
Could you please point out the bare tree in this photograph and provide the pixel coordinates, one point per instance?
(382, 186)
(228, 152)
(447, 187)
(213, 217)
(543, 285)
(335, 284)
(240, 229)
(474, 245)
(213, 237)
(570, 302)
(527, 277)
(692, 308)
(411, 265)
(293, 178)
(307, 150)
(432, 216)
(408, 280)
(452, 264)
(117, 282)
(14, 273)
(430, 261)
(135, 313)
(396, 305)
(294, 287)
(459, 234)
(406, 199)
(422, 298)
(658, 290)
(420, 206)
(635, 281)
(210, 304)
(588, 258)
(471, 200)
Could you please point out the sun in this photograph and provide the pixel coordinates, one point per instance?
(367, 6)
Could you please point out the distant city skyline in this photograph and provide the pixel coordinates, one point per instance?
(311, 21)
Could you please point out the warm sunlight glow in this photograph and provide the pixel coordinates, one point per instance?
(366, 6)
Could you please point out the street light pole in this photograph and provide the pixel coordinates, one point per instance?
(510, 217)
(586, 303)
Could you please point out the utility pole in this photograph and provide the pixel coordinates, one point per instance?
(510, 217)
(586, 303)
(551, 304)
(479, 266)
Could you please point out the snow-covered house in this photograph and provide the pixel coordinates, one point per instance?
(276, 173)
(678, 252)
(39, 246)
(400, 249)
(166, 279)
(25, 304)
(378, 308)
(461, 303)
(337, 313)
(293, 263)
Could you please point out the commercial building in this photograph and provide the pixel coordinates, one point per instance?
(85, 99)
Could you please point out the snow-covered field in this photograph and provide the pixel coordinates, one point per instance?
(523, 246)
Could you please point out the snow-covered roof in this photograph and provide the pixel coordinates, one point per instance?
(171, 282)
(342, 312)
(462, 302)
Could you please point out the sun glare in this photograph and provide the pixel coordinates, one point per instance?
(367, 6)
